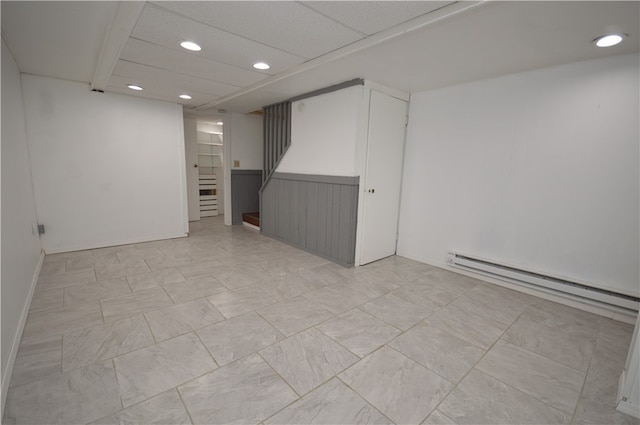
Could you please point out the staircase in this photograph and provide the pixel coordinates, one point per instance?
(252, 218)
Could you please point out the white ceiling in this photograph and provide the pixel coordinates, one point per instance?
(408, 45)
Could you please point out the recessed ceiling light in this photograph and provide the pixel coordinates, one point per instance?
(609, 40)
(190, 45)
(185, 96)
(261, 65)
(134, 87)
(219, 123)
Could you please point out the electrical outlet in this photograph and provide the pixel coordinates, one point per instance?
(236, 163)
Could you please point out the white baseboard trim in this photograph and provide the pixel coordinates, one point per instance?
(6, 373)
(581, 304)
(250, 226)
(629, 409)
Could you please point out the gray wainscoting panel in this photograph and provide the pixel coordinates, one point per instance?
(245, 185)
(315, 213)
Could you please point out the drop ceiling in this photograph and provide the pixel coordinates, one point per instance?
(408, 45)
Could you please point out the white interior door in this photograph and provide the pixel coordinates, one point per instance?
(383, 176)
(191, 158)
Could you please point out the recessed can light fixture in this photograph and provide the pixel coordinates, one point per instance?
(185, 96)
(261, 65)
(190, 45)
(219, 123)
(609, 40)
(134, 87)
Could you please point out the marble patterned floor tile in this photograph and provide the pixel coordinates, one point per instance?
(448, 281)
(563, 318)
(178, 319)
(426, 296)
(135, 303)
(601, 385)
(337, 298)
(53, 322)
(612, 342)
(236, 303)
(90, 261)
(61, 280)
(155, 369)
(294, 315)
(438, 418)
(112, 271)
(234, 258)
(396, 311)
(492, 292)
(189, 290)
(552, 383)
(481, 399)
(204, 269)
(238, 337)
(359, 332)
(167, 261)
(239, 278)
(94, 292)
(47, 300)
(570, 349)
(91, 345)
(37, 359)
(331, 403)
(289, 286)
(400, 388)
(154, 278)
(439, 351)
(308, 359)
(80, 396)
(139, 254)
(52, 265)
(591, 412)
(495, 309)
(476, 329)
(163, 409)
(370, 284)
(244, 392)
(179, 249)
(327, 273)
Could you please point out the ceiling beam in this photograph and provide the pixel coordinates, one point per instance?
(116, 37)
(365, 43)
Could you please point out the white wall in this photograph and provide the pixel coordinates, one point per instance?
(108, 169)
(324, 134)
(243, 132)
(538, 170)
(21, 252)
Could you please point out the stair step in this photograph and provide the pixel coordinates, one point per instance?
(252, 218)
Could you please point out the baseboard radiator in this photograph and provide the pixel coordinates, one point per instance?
(524, 277)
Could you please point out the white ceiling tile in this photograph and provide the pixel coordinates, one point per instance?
(496, 39)
(158, 92)
(56, 39)
(165, 28)
(183, 62)
(144, 75)
(370, 17)
(286, 25)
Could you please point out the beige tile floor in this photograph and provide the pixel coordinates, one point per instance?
(228, 326)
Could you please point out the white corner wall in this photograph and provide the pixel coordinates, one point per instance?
(108, 169)
(21, 252)
(324, 134)
(538, 170)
